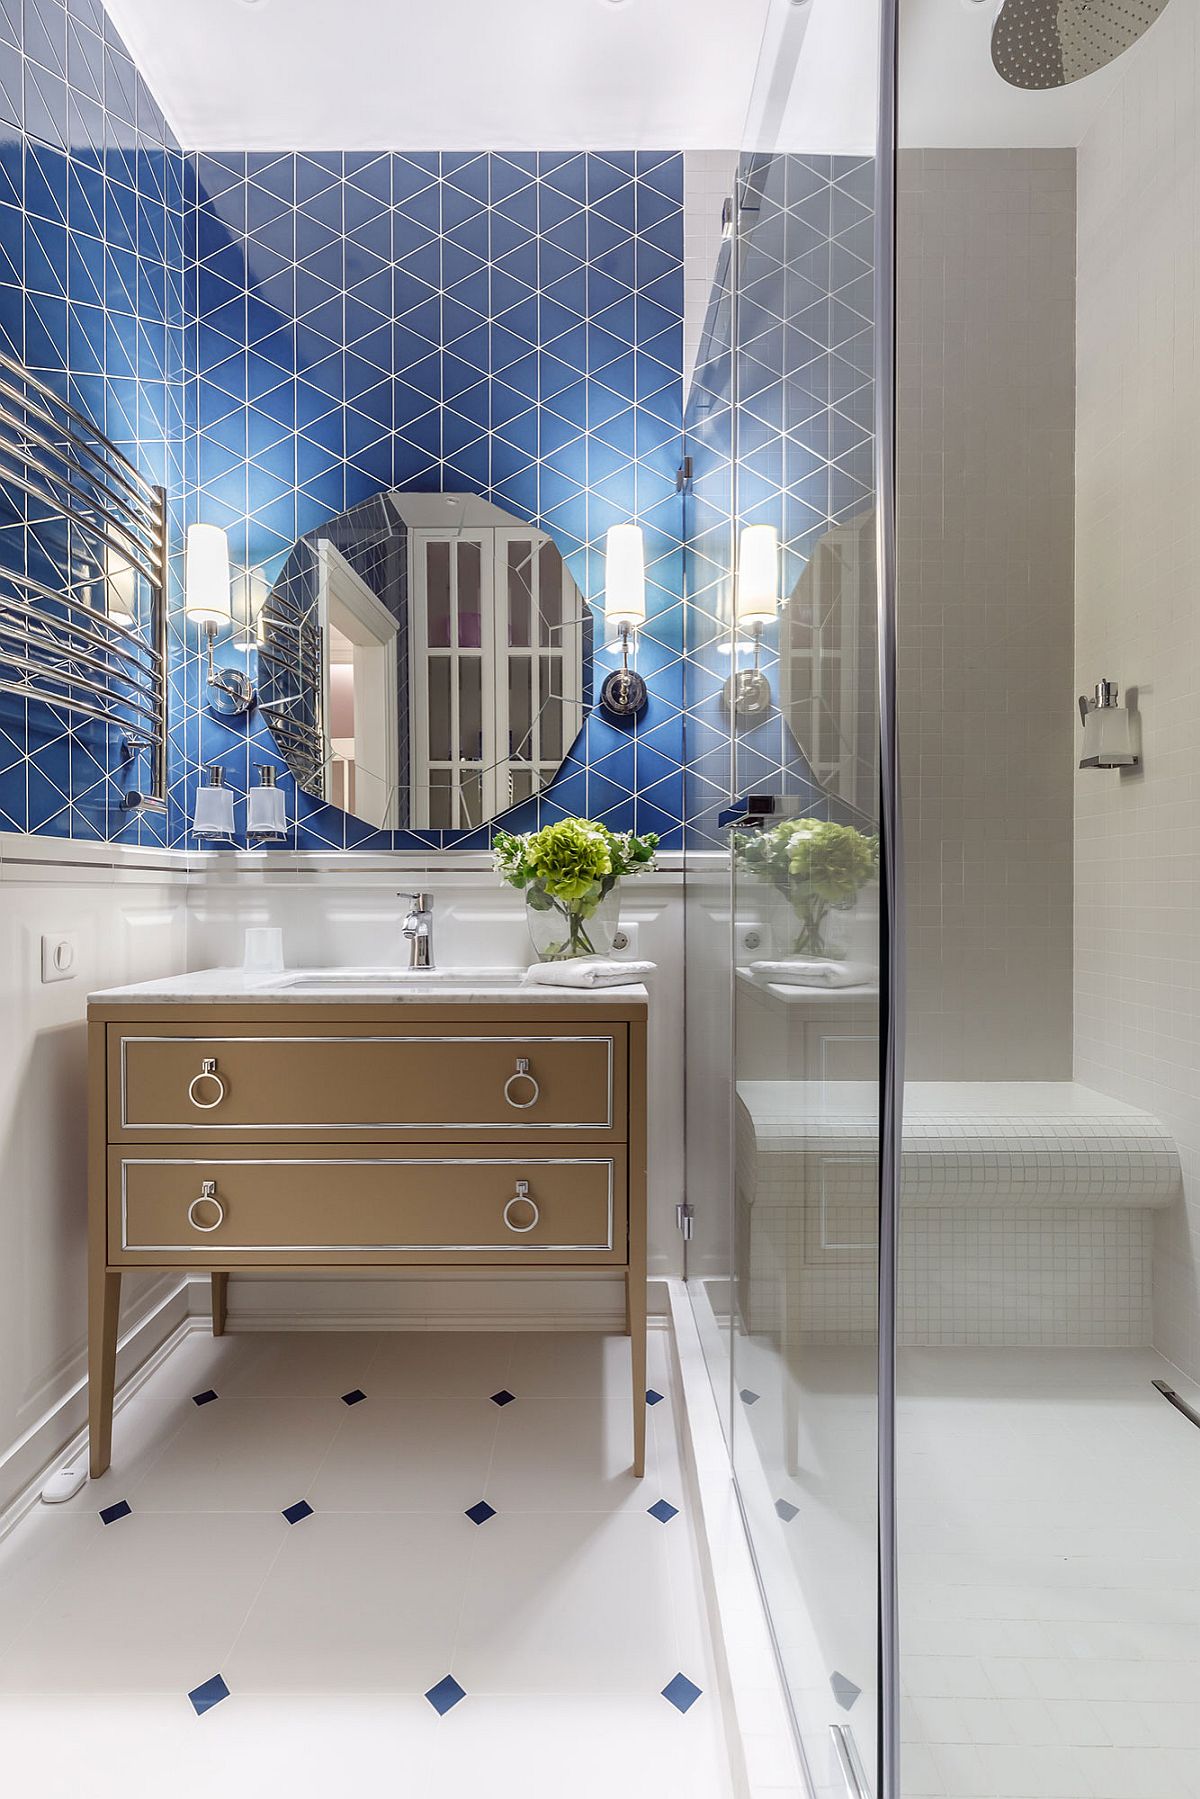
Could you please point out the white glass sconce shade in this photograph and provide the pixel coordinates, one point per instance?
(120, 582)
(207, 597)
(213, 813)
(758, 576)
(266, 812)
(624, 579)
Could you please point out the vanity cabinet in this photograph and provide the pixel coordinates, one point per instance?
(275, 1134)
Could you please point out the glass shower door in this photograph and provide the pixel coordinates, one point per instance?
(783, 912)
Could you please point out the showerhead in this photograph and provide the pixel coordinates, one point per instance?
(1049, 43)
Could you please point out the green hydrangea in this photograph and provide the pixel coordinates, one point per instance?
(570, 867)
(817, 865)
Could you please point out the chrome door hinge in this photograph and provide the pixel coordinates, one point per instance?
(684, 1217)
(683, 476)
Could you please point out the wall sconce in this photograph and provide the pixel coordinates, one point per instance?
(207, 602)
(1108, 740)
(212, 815)
(756, 604)
(624, 691)
(266, 813)
(120, 590)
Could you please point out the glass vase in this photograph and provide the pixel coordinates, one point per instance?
(562, 929)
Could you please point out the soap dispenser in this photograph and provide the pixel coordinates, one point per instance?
(266, 813)
(1108, 740)
(213, 814)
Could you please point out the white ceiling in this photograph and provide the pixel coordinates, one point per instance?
(447, 74)
(583, 74)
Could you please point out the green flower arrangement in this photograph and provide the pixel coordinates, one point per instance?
(570, 868)
(816, 866)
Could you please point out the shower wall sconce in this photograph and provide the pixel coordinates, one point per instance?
(207, 602)
(212, 815)
(1108, 739)
(623, 694)
(756, 604)
(266, 813)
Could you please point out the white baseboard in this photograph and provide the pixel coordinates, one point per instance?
(464, 1300)
(62, 1429)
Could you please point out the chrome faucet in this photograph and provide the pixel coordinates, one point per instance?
(418, 928)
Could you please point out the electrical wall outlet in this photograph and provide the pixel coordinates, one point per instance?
(60, 954)
(628, 947)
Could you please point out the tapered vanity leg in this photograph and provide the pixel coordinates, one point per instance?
(635, 1310)
(104, 1308)
(220, 1292)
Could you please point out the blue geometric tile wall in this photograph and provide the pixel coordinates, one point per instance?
(95, 298)
(507, 324)
(795, 451)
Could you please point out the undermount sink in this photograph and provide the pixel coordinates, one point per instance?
(320, 979)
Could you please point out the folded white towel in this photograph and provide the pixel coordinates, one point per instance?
(807, 971)
(588, 971)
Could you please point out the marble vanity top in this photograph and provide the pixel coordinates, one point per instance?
(333, 986)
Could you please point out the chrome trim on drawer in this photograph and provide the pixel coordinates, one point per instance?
(526, 1249)
(216, 1127)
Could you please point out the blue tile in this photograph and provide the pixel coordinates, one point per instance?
(445, 1695)
(503, 1397)
(653, 1398)
(787, 1511)
(682, 1692)
(749, 1396)
(355, 1397)
(663, 1510)
(480, 1512)
(110, 1513)
(210, 1693)
(295, 1514)
(205, 1398)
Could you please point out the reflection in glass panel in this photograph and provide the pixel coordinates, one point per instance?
(440, 708)
(437, 577)
(550, 618)
(470, 601)
(520, 596)
(520, 707)
(470, 709)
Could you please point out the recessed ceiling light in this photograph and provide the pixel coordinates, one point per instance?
(615, 5)
(254, 4)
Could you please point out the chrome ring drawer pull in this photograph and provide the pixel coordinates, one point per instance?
(207, 1196)
(208, 1072)
(521, 1073)
(521, 1198)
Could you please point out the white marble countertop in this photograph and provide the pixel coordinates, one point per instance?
(365, 986)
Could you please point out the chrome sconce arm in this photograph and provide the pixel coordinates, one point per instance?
(624, 693)
(230, 690)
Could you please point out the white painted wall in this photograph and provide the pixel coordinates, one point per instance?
(1137, 836)
(129, 923)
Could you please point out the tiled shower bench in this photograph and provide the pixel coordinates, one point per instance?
(1027, 1214)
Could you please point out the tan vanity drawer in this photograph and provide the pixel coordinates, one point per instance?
(391, 1084)
(359, 1207)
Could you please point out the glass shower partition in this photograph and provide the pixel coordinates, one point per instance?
(786, 955)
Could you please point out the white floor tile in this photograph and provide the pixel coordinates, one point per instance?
(151, 1604)
(240, 1454)
(560, 1454)
(357, 1604)
(436, 1364)
(572, 1602)
(408, 1455)
(299, 1365)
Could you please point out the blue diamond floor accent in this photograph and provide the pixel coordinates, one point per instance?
(211, 1693)
(787, 1511)
(682, 1692)
(748, 1396)
(296, 1513)
(110, 1514)
(480, 1512)
(354, 1398)
(445, 1695)
(653, 1398)
(503, 1397)
(205, 1398)
(663, 1510)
